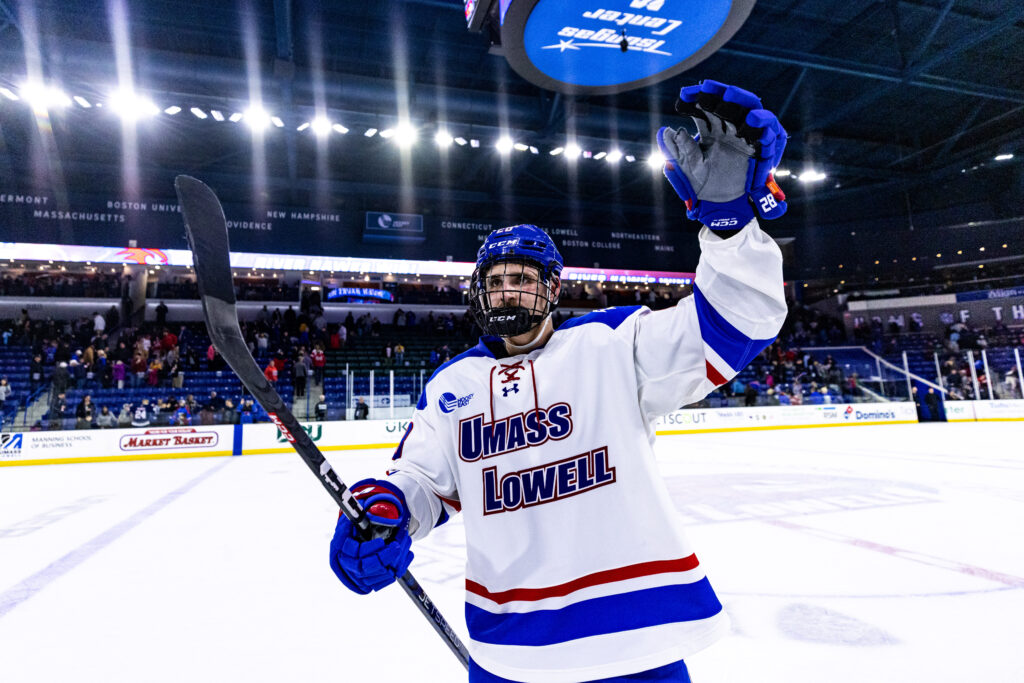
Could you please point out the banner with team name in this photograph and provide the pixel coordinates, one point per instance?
(155, 225)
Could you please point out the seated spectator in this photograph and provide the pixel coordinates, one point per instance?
(106, 419)
(247, 412)
(124, 418)
(181, 415)
(142, 414)
(59, 412)
(229, 415)
(84, 413)
(215, 403)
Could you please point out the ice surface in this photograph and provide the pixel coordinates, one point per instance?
(889, 553)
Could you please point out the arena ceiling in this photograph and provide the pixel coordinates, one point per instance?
(903, 104)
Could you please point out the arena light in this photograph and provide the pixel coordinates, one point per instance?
(43, 98)
(572, 151)
(217, 115)
(338, 128)
(656, 161)
(236, 117)
(370, 132)
(82, 102)
(302, 126)
(614, 157)
(131, 106)
(630, 158)
(811, 176)
(198, 113)
(257, 118)
(276, 120)
(600, 155)
(405, 134)
(387, 133)
(172, 110)
(556, 151)
(444, 139)
(9, 95)
(782, 173)
(1003, 157)
(461, 141)
(504, 144)
(534, 150)
(321, 126)
(474, 143)
(521, 147)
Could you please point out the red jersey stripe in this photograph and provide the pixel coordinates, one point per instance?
(714, 375)
(608, 576)
(454, 503)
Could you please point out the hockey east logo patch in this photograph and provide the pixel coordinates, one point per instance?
(449, 402)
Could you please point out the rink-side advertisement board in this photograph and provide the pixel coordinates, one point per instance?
(102, 445)
(784, 417)
(152, 443)
(985, 411)
(259, 439)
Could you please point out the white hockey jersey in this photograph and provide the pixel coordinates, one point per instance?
(577, 565)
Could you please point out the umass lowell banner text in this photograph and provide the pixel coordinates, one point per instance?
(111, 222)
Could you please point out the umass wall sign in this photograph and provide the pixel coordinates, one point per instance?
(602, 47)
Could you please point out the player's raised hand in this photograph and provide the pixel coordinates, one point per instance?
(724, 172)
(369, 564)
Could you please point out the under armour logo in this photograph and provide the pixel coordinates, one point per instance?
(514, 389)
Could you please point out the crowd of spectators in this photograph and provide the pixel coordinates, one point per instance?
(98, 285)
(291, 345)
(245, 289)
(171, 410)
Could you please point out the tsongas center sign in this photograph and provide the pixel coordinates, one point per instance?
(602, 47)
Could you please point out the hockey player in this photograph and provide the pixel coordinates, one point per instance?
(577, 566)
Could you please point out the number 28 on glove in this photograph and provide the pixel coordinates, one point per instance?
(724, 173)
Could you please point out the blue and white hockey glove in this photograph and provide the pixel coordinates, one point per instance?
(724, 173)
(369, 565)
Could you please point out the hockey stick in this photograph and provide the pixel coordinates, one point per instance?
(208, 238)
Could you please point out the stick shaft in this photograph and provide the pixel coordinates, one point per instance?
(208, 239)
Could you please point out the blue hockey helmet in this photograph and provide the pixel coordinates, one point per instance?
(506, 312)
(521, 243)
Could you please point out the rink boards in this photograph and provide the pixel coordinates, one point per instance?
(153, 443)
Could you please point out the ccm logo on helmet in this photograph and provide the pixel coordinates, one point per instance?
(502, 318)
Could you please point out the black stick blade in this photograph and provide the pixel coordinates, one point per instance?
(207, 237)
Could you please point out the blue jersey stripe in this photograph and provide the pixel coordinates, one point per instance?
(609, 614)
(612, 317)
(735, 348)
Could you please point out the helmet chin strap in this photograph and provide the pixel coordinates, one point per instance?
(541, 329)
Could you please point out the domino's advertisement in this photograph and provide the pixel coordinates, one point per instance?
(780, 417)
